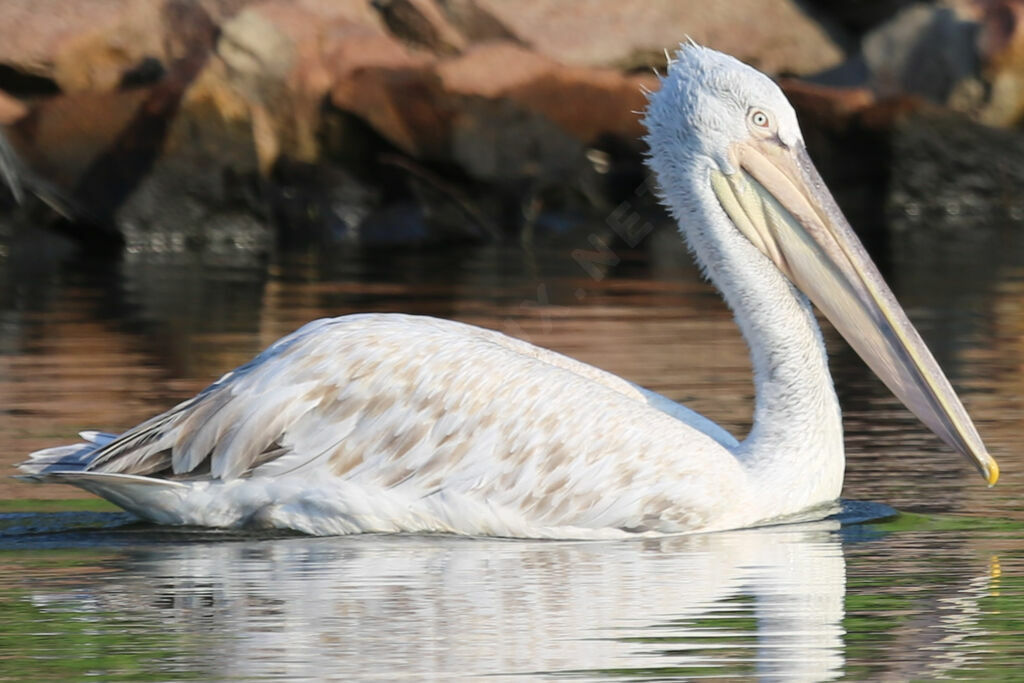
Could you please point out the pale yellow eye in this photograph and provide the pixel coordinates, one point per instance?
(760, 119)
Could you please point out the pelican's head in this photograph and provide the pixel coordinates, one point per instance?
(720, 128)
(709, 102)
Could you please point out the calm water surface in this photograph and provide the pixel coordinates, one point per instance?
(936, 590)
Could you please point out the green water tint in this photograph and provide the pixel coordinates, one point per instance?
(62, 641)
(53, 629)
(908, 521)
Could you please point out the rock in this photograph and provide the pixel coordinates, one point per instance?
(277, 62)
(863, 15)
(493, 70)
(966, 56)
(210, 211)
(1001, 50)
(475, 22)
(90, 44)
(404, 105)
(393, 89)
(97, 59)
(86, 152)
(413, 98)
(832, 108)
(11, 109)
(421, 23)
(34, 31)
(63, 135)
(775, 35)
(924, 50)
(518, 113)
(499, 111)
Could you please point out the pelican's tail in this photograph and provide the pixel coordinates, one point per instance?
(71, 459)
(148, 497)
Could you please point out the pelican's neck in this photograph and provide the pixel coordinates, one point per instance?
(796, 444)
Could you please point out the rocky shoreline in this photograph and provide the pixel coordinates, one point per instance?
(408, 122)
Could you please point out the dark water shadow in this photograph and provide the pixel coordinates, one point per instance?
(100, 530)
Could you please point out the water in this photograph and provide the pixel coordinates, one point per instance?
(935, 590)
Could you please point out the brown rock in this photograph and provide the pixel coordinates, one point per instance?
(862, 15)
(845, 110)
(475, 22)
(1001, 50)
(924, 50)
(90, 44)
(275, 67)
(422, 23)
(32, 31)
(80, 45)
(11, 109)
(493, 69)
(64, 135)
(88, 151)
(519, 113)
(893, 111)
(391, 88)
(825, 106)
(584, 102)
(96, 58)
(775, 35)
(499, 111)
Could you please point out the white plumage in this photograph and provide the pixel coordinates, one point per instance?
(389, 423)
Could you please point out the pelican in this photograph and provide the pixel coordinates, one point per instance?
(398, 423)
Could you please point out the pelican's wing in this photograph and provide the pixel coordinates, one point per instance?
(688, 416)
(617, 384)
(389, 397)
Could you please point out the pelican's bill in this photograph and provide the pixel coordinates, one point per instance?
(779, 202)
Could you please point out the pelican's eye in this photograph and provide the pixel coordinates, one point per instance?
(759, 118)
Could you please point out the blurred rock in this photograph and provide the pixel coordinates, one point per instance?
(86, 152)
(442, 113)
(824, 106)
(63, 135)
(925, 50)
(862, 15)
(422, 23)
(518, 113)
(777, 36)
(43, 37)
(1001, 48)
(90, 44)
(393, 89)
(965, 55)
(475, 22)
(11, 109)
(498, 112)
(276, 63)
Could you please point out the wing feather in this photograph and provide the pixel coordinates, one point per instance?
(433, 407)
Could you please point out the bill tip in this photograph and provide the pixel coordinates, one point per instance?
(992, 472)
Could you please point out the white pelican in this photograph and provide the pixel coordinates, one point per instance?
(396, 423)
